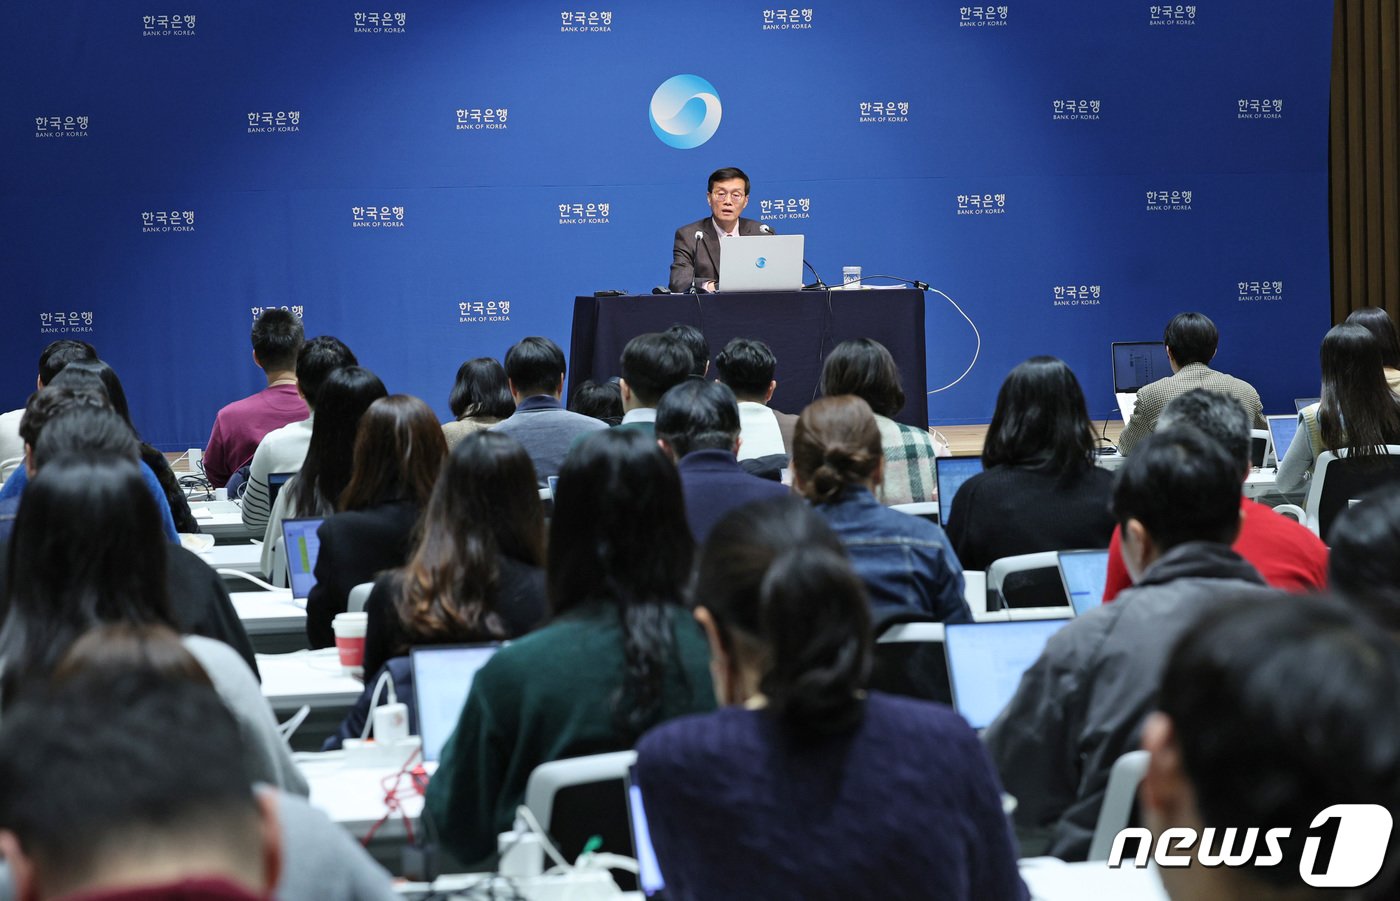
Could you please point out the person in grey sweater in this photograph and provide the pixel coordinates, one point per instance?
(535, 370)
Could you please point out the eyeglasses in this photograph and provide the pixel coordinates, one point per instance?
(722, 195)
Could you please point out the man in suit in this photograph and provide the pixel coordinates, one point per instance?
(695, 264)
(698, 426)
(535, 374)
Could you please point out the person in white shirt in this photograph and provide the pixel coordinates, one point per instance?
(747, 365)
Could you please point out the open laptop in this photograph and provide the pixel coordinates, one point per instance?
(986, 662)
(1135, 364)
(442, 679)
(649, 878)
(275, 481)
(1084, 574)
(950, 473)
(761, 263)
(1281, 432)
(1300, 402)
(301, 544)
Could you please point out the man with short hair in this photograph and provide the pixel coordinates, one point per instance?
(1286, 553)
(695, 260)
(652, 364)
(54, 357)
(1191, 340)
(283, 450)
(694, 341)
(535, 372)
(1081, 705)
(239, 426)
(747, 366)
(697, 425)
(1269, 714)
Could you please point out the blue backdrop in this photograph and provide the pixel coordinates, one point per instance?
(1070, 173)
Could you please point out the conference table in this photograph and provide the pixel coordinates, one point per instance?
(801, 327)
(223, 519)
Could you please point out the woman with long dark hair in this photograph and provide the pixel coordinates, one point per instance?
(1378, 322)
(803, 784)
(1358, 411)
(618, 655)
(480, 398)
(1039, 489)
(398, 452)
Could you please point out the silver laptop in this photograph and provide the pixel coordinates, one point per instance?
(1084, 574)
(761, 263)
(1281, 432)
(442, 679)
(302, 545)
(950, 473)
(986, 662)
(1135, 364)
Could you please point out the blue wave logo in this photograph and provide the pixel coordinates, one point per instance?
(761, 262)
(685, 111)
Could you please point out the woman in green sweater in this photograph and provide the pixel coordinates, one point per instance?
(619, 654)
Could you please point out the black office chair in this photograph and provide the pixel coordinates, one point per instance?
(1344, 478)
(582, 797)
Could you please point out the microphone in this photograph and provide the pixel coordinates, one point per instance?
(694, 258)
(763, 227)
(819, 284)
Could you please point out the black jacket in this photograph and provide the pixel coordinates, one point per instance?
(355, 547)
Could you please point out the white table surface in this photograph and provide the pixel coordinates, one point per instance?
(269, 612)
(311, 678)
(242, 557)
(1051, 879)
(222, 519)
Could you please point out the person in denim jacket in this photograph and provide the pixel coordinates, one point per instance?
(906, 563)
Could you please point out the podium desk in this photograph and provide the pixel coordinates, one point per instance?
(802, 327)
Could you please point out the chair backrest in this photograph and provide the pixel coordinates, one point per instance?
(1026, 580)
(7, 467)
(1118, 802)
(359, 596)
(580, 797)
(975, 591)
(909, 660)
(923, 509)
(1341, 477)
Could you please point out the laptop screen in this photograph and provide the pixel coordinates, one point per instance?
(1281, 431)
(1084, 573)
(986, 662)
(951, 472)
(275, 481)
(1300, 402)
(302, 545)
(1138, 363)
(442, 679)
(649, 877)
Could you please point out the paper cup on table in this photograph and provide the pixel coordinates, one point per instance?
(350, 640)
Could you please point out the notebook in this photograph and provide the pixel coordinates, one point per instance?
(986, 662)
(1135, 364)
(1281, 432)
(950, 473)
(301, 544)
(761, 263)
(1084, 574)
(649, 877)
(442, 679)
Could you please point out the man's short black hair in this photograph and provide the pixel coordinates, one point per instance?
(747, 365)
(1363, 563)
(1182, 486)
(698, 415)
(653, 364)
(694, 341)
(86, 431)
(317, 359)
(1282, 707)
(1215, 415)
(728, 173)
(49, 403)
(1192, 338)
(94, 769)
(535, 366)
(601, 400)
(59, 354)
(277, 337)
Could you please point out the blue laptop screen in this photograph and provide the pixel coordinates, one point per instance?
(1085, 573)
(986, 662)
(442, 679)
(301, 545)
(951, 472)
(1282, 429)
(649, 876)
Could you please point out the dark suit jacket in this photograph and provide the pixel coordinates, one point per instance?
(705, 266)
(355, 546)
(714, 484)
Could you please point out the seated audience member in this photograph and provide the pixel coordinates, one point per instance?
(1378, 322)
(1269, 714)
(480, 399)
(1286, 554)
(476, 572)
(1191, 340)
(601, 400)
(535, 368)
(131, 789)
(284, 450)
(698, 426)
(804, 785)
(619, 654)
(63, 581)
(314, 490)
(1364, 566)
(239, 426)
(198, 599)
(747, 367)
(1039, 489)
(45, 405)
(398, 452)
(905, 561)
(652, 364)
(54, 357)
(1080, 706)
(865, 368)
(694, 341)
(1358, 411)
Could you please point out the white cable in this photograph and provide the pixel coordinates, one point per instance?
(231, 573)
(524, 813)
(975, 354)
(289, 728)
(374, 701)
